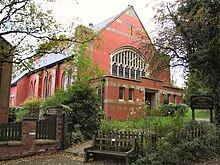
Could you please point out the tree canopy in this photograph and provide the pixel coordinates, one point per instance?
(189, 32)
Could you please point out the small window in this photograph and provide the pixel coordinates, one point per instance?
(12, 100)
(121, 93)
(174, 99)
(166, 99)
(131, 94)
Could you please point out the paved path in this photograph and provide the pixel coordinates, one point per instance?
(78, 149)
(71, 156)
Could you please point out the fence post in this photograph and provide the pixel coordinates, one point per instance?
(60, 130)
(153, 140)
(28, 132)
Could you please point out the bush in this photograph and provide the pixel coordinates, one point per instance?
(12, 113)
(32, 106)
(168, 109)
(76, 135)
(85, 104)
(22, 113)
(172, 109)
(174, 149)
(56, 100)
(183, 109)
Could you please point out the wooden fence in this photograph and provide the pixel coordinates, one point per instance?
(11, 131)
(46, 129)
(146, 138)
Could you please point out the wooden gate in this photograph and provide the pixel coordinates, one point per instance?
(46, 129)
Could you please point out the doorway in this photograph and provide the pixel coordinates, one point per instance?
(150, 98)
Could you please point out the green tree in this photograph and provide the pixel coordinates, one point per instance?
(81, 96)
(85, 104)
(81, 64)
(189, 32)
(194, 86)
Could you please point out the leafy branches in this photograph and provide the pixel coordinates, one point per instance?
(30, 28)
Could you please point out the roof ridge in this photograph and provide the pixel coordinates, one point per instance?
(104, 24)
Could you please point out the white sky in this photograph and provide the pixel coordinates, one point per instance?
(96, 11)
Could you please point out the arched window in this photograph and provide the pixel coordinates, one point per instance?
(71, 78)
(45, 87)
(129, 63)
(49, 85)
(34, 88)
(64, 81)
(31, 89)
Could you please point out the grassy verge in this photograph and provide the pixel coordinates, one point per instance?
(151, 122)
(199, 114)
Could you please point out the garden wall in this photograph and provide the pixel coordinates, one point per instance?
(29, 145)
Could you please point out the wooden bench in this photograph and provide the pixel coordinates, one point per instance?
(111, 146)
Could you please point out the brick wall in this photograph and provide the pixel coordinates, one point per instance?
(29, 145)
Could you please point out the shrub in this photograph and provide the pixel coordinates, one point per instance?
(12, 113)
(171, 109)
(32, 105)
(77, 135)
(174, 149)
(183, 109)
(167, 109)
(55, 100)
(22, 113)
(85, 104)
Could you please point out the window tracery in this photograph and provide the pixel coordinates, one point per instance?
(128, 63)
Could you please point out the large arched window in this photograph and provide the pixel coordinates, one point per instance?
(128, 62)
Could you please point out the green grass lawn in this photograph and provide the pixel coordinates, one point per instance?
(199, 114)
(152, 121)
(141, 123)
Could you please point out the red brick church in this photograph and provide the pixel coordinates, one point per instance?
(127, 79)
